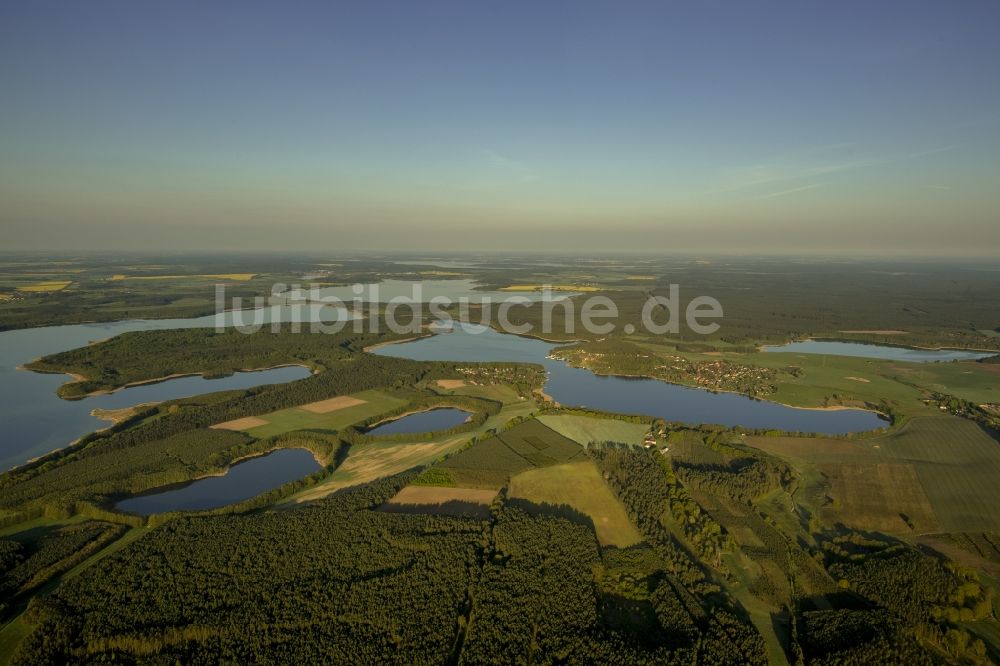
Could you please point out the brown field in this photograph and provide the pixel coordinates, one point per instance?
(876, 496)
(946, 545)
(332, 404)
(53, 285)
(439, 495)
(239, 277)
(367, 463)
(859, 379)
(244, 423)
(446, 501)
(450, 384)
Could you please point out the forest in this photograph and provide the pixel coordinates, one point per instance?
(733, 560)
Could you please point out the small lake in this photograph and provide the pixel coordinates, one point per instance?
(241, 482)
(432, 419)
(881, 352)
(581, 387)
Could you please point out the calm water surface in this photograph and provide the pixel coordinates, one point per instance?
(35, 421)
(241, 482)
(581, 387)
(882, 352)
(432, 419)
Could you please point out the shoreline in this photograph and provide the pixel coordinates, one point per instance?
(827, 408)
(377, 345)
(209, 475)
(368, 429)
(881, 415)
(78, 378)
(991, 352)
(121, 321)
(116, 416)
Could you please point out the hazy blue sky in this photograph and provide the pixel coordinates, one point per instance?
(744, 126)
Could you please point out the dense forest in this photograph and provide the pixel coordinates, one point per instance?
(338, 580)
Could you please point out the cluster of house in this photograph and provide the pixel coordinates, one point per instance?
(656, 440)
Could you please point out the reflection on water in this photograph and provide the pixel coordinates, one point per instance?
(882, 352)
(581, 387)
(433, 419)
(35, 421)
(241, 482)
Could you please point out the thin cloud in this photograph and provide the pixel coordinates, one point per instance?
(760, 174)
(933, 151)
(803, 188)
(768, 174)
(937, 187)
(508, 168)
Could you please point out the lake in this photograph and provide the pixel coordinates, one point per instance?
(428, 421)
(581, 387)
(881, 352)
(242, 481)
(35, 421)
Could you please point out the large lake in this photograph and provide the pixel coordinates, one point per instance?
(241, 482)
(581, 387)
(881, 352)
(35, 421)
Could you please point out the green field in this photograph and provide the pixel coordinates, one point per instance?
(295, 418)
(579, 485)
(939, 473)
(587, 429)
(373, 460)
(502, 393)
(958, 465)
(491, 463)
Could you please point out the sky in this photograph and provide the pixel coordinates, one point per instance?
(761, 126)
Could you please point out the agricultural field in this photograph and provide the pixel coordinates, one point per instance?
(368, 462)
(586, 429)
(977, 550)
(553, 287)
(237, 277)
(333, 414)
(976, 382)
(52, 285)
(934, 474)
(578, 485)
(502, 393)
(491, 463)
(471, 502)
(958, 465)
